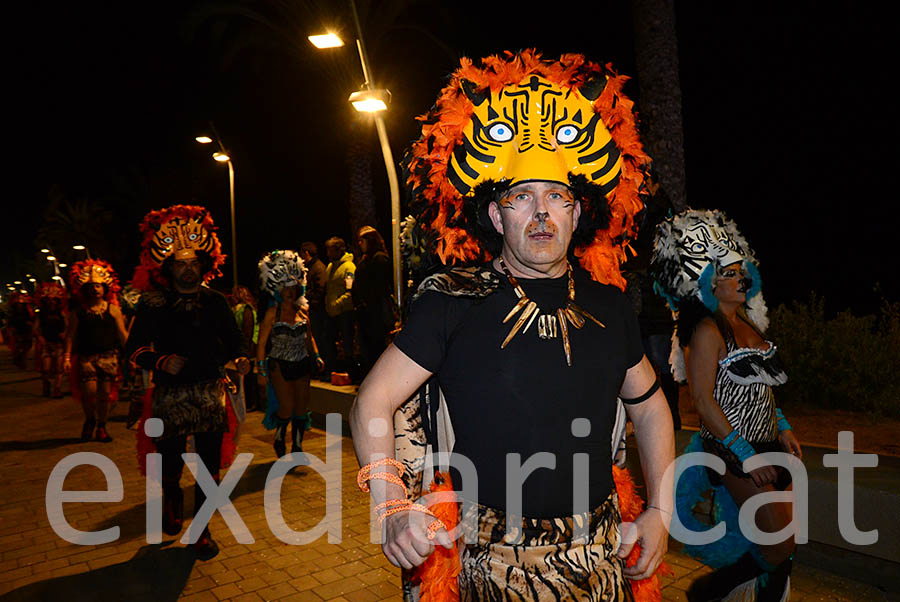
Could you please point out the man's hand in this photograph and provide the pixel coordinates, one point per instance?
(174, 364)
(648, 529)
(242, 365)
(67, 364)
(790, 443)
(405, 541)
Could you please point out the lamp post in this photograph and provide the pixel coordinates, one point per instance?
(83, 248)
(222, 156)
(374, 100)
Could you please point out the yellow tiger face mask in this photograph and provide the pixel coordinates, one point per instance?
(182, 238)
(534, 130)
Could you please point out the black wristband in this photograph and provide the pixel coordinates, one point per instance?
(643, 397)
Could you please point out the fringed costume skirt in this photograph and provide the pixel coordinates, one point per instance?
(191, 408)
(541, 560)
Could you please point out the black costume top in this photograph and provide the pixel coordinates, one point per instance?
(523, 399)
(52, 326)
(199, 327)
(96, 333)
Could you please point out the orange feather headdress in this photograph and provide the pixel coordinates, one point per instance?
(176, 231)
(442, 167)
(94, 270)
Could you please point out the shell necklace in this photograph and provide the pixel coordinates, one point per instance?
(547, 323)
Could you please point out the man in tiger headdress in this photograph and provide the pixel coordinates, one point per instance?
(185, 333)
(526, 168)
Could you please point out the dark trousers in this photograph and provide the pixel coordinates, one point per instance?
(339, 328)
(318, 321)
(657, 347)
(207, 445)
(372, 337)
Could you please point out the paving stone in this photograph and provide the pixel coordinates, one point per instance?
(353, 569)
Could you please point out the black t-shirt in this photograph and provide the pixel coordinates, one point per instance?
(523, 399)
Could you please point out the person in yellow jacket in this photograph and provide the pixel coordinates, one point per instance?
(339, 306)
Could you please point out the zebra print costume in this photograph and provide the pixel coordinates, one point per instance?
(744, 391)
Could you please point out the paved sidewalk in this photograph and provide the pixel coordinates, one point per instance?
(37, 564)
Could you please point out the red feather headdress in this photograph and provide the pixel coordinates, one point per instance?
(182, 221)
(94, 270)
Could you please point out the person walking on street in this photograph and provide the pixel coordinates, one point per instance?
(287, 349)
(96, 333)
(185, 332)
(50, 334)
(524, 350)
(245, 314)
(708, 273)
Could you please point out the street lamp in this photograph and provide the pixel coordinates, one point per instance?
(374, 100)
(222, 156)
(83, 248)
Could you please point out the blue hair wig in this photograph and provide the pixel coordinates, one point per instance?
(705, 287)
(755, 279)
(671, 301)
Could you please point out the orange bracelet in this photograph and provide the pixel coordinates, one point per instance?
(390, 503)
(364, 473)
(385, 476)
(431, 531)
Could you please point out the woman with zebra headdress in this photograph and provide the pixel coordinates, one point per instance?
(707, 272)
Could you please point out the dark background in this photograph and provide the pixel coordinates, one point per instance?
(789, 118)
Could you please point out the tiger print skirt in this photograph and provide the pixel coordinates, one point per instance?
(541, 561)
(191, 408)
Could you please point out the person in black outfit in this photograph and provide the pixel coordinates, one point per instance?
(19, 327)
(95, 334)
(185, 333)
(50, 332)
(315, 290)
(372, 296)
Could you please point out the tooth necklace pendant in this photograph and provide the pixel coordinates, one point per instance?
(548, 324)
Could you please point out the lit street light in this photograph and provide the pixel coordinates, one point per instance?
(326, 40)
(374, 100)
(83, 248)
(222, 156)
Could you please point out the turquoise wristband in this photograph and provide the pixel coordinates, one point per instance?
(738, 445)
(783, 424)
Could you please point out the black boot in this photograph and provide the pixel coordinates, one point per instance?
(46, 388)
(87, 429)
(717, 584)
(173, 509)
(206, 548)
(280, 435)
(775, 582)
(102, 435)
(299, 424)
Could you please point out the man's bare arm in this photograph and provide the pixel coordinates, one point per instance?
(655, 436)
(393, 379)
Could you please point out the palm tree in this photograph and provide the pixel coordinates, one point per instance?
(656, 53)
(70, 222)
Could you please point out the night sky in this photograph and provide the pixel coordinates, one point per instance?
(788, 118)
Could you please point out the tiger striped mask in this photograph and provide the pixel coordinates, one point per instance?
(515, 117)
(182, 238)
(535, 130)
(180, 232)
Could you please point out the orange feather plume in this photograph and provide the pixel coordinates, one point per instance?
(439, 206)
(437, 576)
(630, 507)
